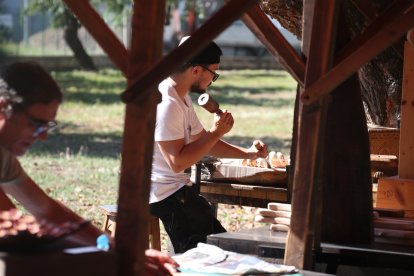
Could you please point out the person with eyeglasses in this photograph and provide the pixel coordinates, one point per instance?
(29, 102)
(180, 140)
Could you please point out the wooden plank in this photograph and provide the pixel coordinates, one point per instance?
(232, 173)
(245, 195)
(305, 215)
(369, 48)
(55, 262)
(385, 141)
(406, 162)
(393, 223)
(275, 43)
(138, 141)
(376, 24)
(202, 36)
(366, 8)
(370, 12)
(396, 193)
(387, 164)
(97, 27)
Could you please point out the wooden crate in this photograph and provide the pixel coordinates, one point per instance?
(384, 141)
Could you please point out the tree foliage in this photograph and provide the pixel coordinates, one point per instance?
(62, 17)
(4, 31)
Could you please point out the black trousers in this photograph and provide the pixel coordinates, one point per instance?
(187, 217)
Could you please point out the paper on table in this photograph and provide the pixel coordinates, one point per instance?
(209, 259)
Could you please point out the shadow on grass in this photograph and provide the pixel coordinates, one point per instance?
(109, 145)
(83, 89)
(108, 87)
(226, 89)
(259, 74)
(94, 145)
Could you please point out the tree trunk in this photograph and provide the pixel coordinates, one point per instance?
(71, 27)
(380, 79)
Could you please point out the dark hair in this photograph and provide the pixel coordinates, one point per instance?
(209, 55)
(31, 83)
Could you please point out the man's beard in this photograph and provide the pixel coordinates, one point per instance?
(195, 88)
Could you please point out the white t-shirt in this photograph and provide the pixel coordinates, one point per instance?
(175, 120)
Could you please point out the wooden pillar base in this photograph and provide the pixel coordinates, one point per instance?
(396, 193)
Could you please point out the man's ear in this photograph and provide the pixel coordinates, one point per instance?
(195, 69)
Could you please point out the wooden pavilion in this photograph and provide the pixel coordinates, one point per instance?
(332, 196)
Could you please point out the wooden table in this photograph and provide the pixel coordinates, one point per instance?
(255, 195)
(263, 242)
(51, 260)
(242, 194)
(301, 273)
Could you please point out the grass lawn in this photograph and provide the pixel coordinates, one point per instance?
(79, 163)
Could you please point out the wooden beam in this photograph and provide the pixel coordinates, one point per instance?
(406, 157)
(201, 37)
(97, 27)
(370, 12)
(138, 141)
(371, 46)
(389, 15)
(366, 8)
(275, 43)
(306, 189)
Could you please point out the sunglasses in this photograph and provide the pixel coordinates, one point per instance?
(215, 75)
(40, 125)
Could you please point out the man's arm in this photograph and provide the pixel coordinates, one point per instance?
(223, 149)
(39, 204)
(43, 207)
(5, 202)
(180, 156)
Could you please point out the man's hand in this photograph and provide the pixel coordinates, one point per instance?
(258, 149)
(223, 123)
(158, 263)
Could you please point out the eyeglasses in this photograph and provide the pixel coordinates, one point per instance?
(40, 125)
(215, 75)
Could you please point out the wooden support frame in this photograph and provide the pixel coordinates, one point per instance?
(97, 27)
(371, 46)
(369, 11)
(142, 99)
(232, 10)
(306, 190)
(275, 43)
(366, 8)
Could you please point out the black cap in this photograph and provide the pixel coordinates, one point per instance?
(209, 55)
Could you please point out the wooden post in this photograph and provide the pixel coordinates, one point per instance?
(335, 164)
(138, 140)
(305, 214)
(398, 192)
(406, 162)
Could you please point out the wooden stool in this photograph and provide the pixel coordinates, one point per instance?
(110, 212)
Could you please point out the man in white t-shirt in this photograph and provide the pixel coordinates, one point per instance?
(181, 141)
